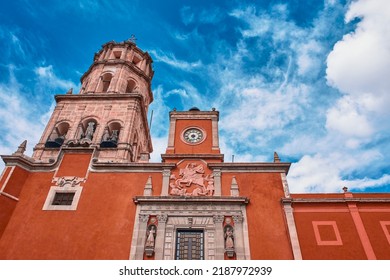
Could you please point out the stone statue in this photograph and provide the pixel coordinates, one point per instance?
(114, 136)
(106, 135)
(90, 130)
(229, 238)
(150, 238)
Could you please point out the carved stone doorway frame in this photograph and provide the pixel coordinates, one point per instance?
(197, 213)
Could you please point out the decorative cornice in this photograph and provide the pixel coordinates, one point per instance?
(194, 115)
(193, 156)
(108, 96)
(251, 167)
(188, 199)
(335, 200)
(131, 166)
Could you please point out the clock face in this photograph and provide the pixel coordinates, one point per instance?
(193, 135)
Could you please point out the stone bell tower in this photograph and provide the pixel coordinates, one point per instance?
(110, 112)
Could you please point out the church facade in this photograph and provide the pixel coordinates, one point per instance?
(90, 192)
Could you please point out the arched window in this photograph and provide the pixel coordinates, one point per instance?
(106, 80)
(130, 86)
(57, 136)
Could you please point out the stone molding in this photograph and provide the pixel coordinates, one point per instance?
(251, 167)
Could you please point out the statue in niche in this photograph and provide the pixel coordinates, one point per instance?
(151, 235)
(114, 136)
(106, 135)
(90, 130)
(229, 238)
(109, 141)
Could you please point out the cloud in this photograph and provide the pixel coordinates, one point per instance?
(48, 78)
(171, 60)
(358, 64)
(356, 127)
(19, 119)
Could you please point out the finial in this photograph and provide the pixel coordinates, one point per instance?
(345, 189)
(276, 157)
(213, 109)
(132, 39)
(174, 109)
(70, 91)
(21, 149)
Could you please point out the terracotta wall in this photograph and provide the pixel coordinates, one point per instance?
(11, 183)
(204, 147)
(328, 223)
(100, 228)
(268, 235)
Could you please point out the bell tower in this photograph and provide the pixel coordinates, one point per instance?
(109, 114)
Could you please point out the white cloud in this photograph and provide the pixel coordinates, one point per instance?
(345, 118)
(48, 78)
(171, 60)
(19, 121)
(358, 67)
(324, 172)
(359, 64)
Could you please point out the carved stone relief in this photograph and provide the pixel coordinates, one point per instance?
(193, 175)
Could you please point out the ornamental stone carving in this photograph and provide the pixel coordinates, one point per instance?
(69, 181)
(143, 217)
(218, 219)
(162, 218)
(192, 176)
(238, 218)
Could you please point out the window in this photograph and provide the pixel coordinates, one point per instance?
(130, 86)
(189, 245)
(65, 198)
(117, 54)
(106, 80)
(65, 195)
(57, 136)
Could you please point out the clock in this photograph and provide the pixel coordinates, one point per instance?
(193, 136)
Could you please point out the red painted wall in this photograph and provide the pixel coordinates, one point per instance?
(202, 148)
(100, 228)
(268, 235)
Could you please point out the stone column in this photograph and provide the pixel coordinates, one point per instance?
(239, 246)
(171, 136)
(292, 230)
(215, 140)
(142, 227)
(160, 236)
(219, 238)
(217, 182)
(165, 182)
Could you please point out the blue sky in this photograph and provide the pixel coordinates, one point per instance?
(308, 79)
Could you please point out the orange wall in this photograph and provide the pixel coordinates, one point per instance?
(100, 228)
(351, 247)
(266, 219)
(372, 216)
(74, 165)
(12, 187)
(202, 148)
